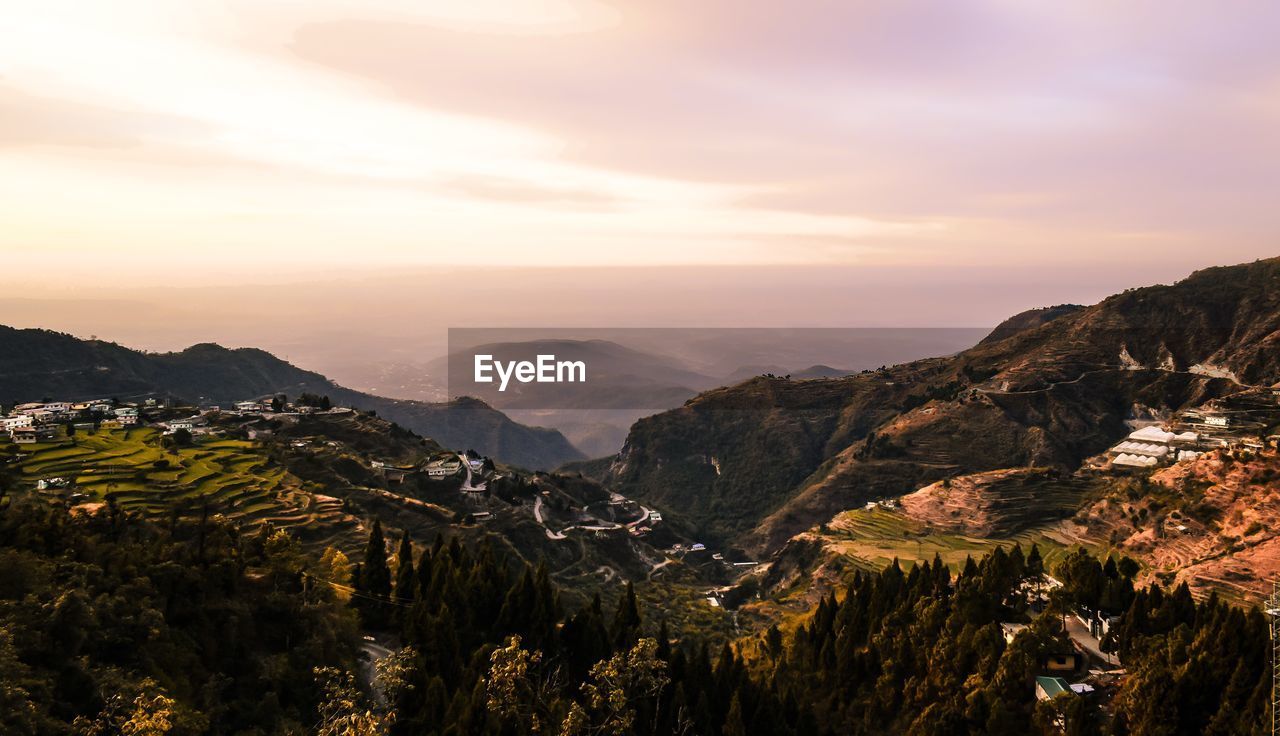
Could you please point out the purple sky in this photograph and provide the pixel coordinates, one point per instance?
(804, 162)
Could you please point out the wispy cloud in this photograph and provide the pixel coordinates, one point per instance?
(149, 135)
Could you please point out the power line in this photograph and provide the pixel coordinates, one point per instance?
(352, 591)
(1273, 612)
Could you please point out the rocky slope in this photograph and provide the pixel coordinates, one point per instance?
(760, 461)
(1213, 522)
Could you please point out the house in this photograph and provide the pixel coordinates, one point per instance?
(1048, 688)
(1068, 662)
(1011, 631)
(1217, 421)
(58, 407)
(442, 469)
(189, 424)
(248, 406)
(32, 435)
(18, 421)
(258, 434)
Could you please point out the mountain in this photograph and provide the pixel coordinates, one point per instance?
(35, 364)
(1029, 320)
(758, 462)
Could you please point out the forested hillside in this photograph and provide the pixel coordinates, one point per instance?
(110, 624)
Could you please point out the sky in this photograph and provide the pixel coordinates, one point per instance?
(269, 171)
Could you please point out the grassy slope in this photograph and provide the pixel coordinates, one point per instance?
(236, 478)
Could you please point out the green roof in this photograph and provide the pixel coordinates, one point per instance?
(1053, 686)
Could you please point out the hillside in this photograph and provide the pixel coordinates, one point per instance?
(1213, 523)
(38, 363)
(760, 461)
(1029, 320)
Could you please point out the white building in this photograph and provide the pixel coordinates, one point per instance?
(1135, 461)
(17, 421)
(1152, 434)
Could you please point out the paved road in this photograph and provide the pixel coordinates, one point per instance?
(466, 485)
(1079, 633)
(1112, 369)
(370, 653)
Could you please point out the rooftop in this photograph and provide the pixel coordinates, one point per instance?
(1053, 686)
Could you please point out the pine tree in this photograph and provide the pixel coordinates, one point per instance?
(405, 579)
(375, 578)
(733, 723)
(626, 621)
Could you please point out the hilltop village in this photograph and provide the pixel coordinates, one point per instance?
(41, 427)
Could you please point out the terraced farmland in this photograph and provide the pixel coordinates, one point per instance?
(235, 478)
(871, 539)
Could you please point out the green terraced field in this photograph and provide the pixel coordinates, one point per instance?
(134, 469)
(871, 539)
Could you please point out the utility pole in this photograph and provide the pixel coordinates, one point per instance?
(1273, 612)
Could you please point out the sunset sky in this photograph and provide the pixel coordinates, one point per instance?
(198, 139)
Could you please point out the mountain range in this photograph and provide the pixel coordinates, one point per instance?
(756, 463)
(37, 364)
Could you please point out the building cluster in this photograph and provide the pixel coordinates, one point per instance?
(1234, 422)
(40, 421)
(43, 421)
(1151, 446)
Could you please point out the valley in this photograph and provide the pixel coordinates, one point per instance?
(1085, 465)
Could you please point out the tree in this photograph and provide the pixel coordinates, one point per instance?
(626, 620)
(335, 566)
(618, 690)
(405, 578)
(733, 722)
(511, 694)
(341, 711)
(375, 578)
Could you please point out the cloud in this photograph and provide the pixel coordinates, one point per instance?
(572, 131)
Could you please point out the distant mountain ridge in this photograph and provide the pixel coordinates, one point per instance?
(757, 462)
(35, 364)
